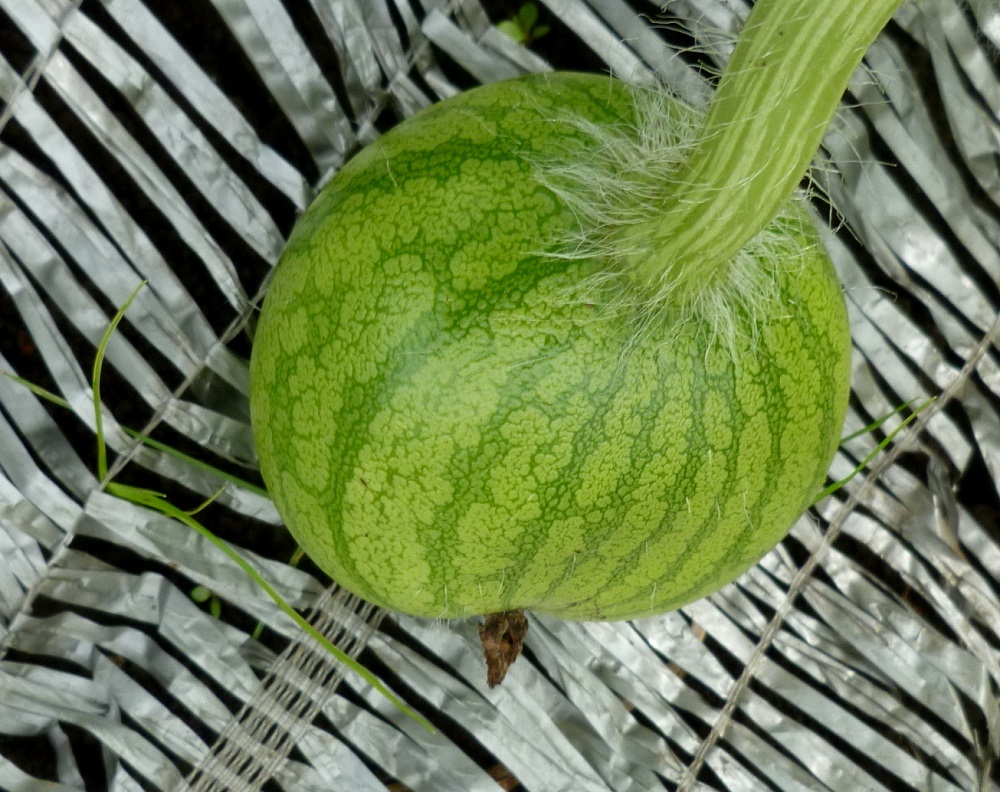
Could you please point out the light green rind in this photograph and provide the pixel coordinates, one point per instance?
(448, 432)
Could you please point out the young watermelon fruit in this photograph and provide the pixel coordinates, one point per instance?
(461, 411)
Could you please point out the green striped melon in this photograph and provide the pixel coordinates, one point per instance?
(449, 429)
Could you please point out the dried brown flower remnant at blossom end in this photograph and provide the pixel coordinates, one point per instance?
(502, 635)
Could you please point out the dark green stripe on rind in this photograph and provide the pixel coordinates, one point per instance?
(448, 433)
(379, 204)
(804, 438)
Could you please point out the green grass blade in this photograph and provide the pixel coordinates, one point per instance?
(59, 401)
(206, 503)
(142, 498)
(102, 451)
(885, 442)
(158, 502)
(195, 463)
(38, 390)
(877, 423)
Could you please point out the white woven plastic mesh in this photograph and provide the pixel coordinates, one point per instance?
(176, 143)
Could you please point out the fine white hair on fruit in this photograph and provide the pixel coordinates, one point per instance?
(617, 178)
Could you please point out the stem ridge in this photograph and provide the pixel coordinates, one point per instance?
(782, 87)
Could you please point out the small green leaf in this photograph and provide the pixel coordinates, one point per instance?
(200, 594)
(215, 607)
(512, 30)
(527, 16)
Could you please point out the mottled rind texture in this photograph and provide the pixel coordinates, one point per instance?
(447, 432)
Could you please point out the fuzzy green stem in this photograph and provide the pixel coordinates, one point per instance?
(778, 94)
